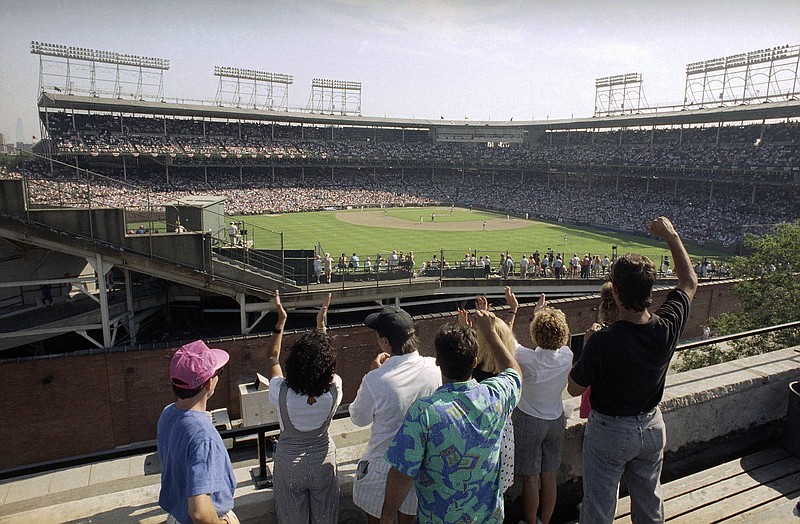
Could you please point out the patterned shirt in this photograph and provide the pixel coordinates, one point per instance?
(449, 444)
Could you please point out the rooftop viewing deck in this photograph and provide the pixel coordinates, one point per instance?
(724, 461)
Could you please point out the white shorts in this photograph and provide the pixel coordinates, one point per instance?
(369, 490)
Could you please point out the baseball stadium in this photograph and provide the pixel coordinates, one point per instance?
(140, 222)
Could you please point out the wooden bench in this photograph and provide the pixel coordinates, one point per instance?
(762, 487)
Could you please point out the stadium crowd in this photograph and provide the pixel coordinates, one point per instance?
(191, 142)
(721, 212)
(733, 178)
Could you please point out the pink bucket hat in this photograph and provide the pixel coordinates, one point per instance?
(193, 364)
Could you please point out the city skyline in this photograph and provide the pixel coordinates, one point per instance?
(457, 60)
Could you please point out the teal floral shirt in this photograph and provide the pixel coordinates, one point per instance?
(449, 444)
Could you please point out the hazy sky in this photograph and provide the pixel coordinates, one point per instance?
(419, 58)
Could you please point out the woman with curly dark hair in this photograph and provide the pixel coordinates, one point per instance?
(305, 484)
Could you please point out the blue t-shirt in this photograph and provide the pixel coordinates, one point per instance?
(194, 461)
(449, 444)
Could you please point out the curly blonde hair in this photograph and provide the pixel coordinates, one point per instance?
(549, 329)
(607, 312)
(486, 358)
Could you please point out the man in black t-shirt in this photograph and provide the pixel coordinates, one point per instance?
(626, 366)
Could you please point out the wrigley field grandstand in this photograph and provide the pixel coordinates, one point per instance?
(117, 244)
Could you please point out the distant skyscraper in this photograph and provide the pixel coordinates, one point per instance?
(3, 148)
(20, 135)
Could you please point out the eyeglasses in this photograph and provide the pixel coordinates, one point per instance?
(218, 373)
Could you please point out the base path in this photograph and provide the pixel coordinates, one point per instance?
(379, 219)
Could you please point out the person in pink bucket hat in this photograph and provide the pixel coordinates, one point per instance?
(197, 480)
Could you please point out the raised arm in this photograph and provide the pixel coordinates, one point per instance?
(513, 305)
(274, 347)
(540, 304)
(483, 323)
(662, 228)
(322, 314)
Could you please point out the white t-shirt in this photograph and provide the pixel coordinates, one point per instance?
(544, 377)
(386, 393)
(304, 416)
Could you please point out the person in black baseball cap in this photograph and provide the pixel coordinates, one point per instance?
(398, 376)
(395, 325)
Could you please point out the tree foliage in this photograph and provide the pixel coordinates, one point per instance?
(769, 293)
(12, 162)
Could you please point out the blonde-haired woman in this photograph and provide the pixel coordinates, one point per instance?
(487, 367)
(539, 421)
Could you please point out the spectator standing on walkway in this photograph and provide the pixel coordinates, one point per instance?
(539, 420)
(626, 366)
(327, 267)
(449, 444)
(398, 376)
(197, 480)
(233, 233)
(355, 262)
(306, 485)
(558, 267)
(317, 268)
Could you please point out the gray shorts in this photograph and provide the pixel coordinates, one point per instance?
(538, 443)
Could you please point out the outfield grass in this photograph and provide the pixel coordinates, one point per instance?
(306, 230)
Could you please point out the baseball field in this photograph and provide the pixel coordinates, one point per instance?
(440, 230)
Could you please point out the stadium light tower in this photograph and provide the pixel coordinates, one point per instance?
(335, 97)
(265, 90)
(75, 67)
(765, 75)
(619, 95)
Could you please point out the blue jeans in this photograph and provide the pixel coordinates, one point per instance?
(632, 447)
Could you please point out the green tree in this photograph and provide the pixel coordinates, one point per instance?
(769, 293)
(11, 162)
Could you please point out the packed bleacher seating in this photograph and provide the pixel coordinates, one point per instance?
(731, 177)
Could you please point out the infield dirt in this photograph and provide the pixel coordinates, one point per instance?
(379, 219)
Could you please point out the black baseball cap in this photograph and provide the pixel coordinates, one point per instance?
(391, 322)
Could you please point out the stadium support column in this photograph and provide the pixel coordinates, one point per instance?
(133, 327)
(124, 169)
(240, 299)
(101, 271)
